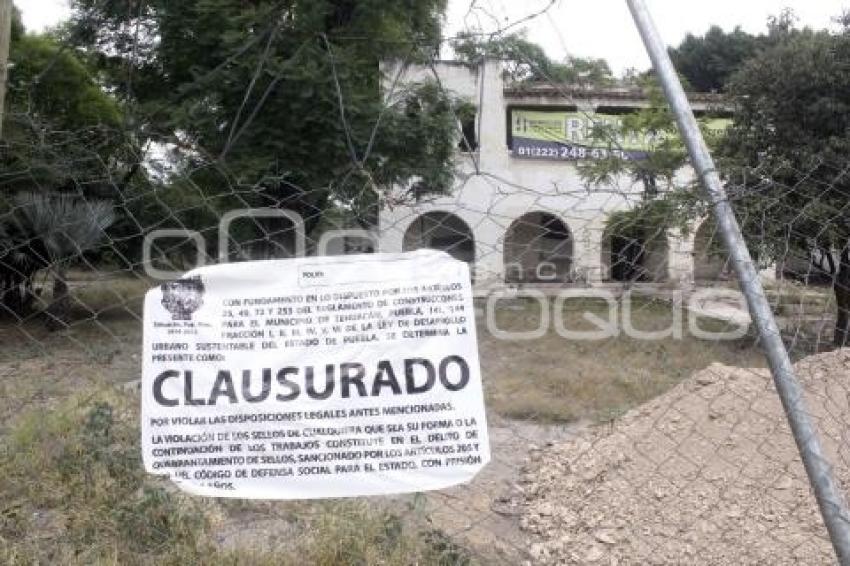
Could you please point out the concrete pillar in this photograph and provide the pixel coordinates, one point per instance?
(489, 256)
(493, 153)
(681, 262)
(588, 253)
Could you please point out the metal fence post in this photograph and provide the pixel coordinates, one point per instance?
(831, 501)
(5, 41)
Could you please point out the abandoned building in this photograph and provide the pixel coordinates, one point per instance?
(520, 212)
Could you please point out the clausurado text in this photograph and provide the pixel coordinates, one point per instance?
(314, 377)
(346, 379)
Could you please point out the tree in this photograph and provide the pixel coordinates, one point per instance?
(783, 159)
(526, 62)
(62, 151)
(656, 122)
(279, 104)
(636, 233)
(708, 61)
(61, 127)
(786, 155)
(17, 27)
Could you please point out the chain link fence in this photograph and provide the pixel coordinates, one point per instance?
(632, 414)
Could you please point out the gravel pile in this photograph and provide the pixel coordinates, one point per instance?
(707, 473)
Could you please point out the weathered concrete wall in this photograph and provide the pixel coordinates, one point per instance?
(493, 188)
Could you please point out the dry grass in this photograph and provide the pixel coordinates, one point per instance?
(553, 379)
(550, 379)
(61, 501)
(73, 491)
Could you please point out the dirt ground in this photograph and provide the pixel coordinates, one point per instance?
(482, 516)
(538, 392)
(38, 370)
(706, 473)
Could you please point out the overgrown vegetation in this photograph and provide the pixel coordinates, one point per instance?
(526, 62)
(783, 158)
(708, 61)
(73, 491)
(278, 104)
(62, 155)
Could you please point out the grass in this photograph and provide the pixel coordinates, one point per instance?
(550, 379)
(73, 491)
(553, 379)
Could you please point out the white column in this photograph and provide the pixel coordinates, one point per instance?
(681, 260)
(588, 252)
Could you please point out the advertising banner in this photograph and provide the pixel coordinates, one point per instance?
(314, 377)
(575, 136)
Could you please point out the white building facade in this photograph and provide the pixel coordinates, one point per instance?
(521, 220)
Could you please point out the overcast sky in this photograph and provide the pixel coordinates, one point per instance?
(598, 28)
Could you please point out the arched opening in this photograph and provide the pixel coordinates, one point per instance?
(711, 262)
(538, 249)
(441, 231)
(631, 252)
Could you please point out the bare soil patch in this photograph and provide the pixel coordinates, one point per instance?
(707, 473)
(484, 515)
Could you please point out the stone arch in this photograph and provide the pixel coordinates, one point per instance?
(635, 254)
(441, 231)
(538, 248)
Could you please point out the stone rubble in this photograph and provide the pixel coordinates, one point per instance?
(707, 473)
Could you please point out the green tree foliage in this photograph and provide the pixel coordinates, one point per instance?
(279, 103)
(62, 145)
(17, 24)
(786, 156)
(61, 130)
(526, 62)
(784, 159)
(665, 203)
(708, 61)
(661, 164)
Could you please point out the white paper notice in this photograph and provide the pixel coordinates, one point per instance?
(314, 377)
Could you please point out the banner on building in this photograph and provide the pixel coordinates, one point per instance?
(314, 377)
(575, 136)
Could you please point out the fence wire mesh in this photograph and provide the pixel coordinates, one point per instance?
(632, 416)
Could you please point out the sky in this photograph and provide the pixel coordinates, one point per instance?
(587, 28)
(39, 14)
(604, 28)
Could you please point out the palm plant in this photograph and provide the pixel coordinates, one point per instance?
(49, 231)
